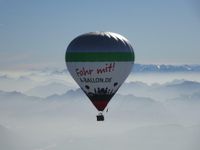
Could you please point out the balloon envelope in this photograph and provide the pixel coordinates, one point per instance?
(99, 62)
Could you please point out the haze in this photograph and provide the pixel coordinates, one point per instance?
(45, 110)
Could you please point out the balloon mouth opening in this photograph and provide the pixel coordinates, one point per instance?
(100, 104)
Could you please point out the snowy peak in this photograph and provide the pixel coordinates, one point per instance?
(165, 68)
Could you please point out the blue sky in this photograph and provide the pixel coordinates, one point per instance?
(35, 34)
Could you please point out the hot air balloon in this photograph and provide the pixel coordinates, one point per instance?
(99, 62)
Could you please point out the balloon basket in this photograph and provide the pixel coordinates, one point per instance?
(100, 117)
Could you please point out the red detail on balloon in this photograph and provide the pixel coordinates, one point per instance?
(100, 104)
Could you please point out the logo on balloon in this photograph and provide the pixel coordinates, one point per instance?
(83, 73)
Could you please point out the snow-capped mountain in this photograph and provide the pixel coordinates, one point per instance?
(165, 68)
(140, 68)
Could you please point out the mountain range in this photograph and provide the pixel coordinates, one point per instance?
(47, 111)
(165, 68)
(143, 68)
(134, 117)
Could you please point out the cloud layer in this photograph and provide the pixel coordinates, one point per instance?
(44, 111)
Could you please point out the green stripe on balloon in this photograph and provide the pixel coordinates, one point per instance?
(99, 56)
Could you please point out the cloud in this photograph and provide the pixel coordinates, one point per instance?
(136, 116)
(49, 89)
(132, 121)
